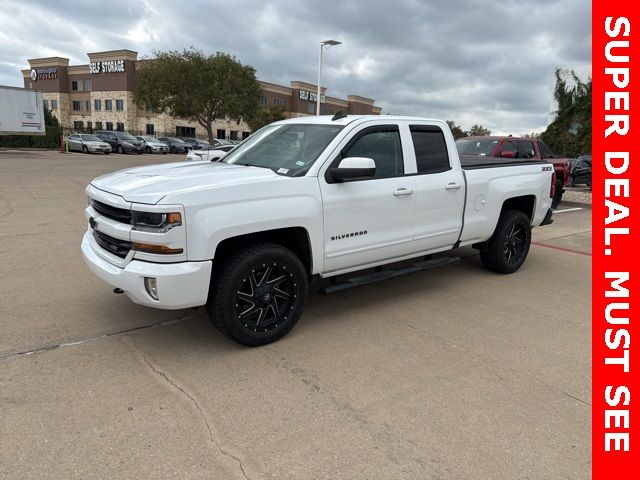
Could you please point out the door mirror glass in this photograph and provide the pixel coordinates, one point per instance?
(352, 168)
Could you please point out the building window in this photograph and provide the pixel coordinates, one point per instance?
(87, 105)
(233, 135)
(98, 125)
(245, 135)
(311, 107)
(88, 85)
(109, 125)
(54, 104)
(78, 126)
(119, 104)
(97, 105)
(186, 132)
(221, 134)
(120, 127)
(278, 102)
(263, 101)
(75, 86)
(77, 105)
(150, 129)
(46, 104)
(108, 105)
(89, 127)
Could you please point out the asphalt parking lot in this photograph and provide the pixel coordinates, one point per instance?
(455, 373)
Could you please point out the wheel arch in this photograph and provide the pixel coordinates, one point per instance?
(524, 203)
(296, 239)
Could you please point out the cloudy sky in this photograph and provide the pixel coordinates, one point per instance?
(472, 61)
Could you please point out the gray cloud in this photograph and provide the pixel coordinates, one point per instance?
(489, 62)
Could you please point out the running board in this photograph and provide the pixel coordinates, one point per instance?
(386, 274)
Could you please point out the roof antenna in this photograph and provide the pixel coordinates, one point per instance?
(339, 114)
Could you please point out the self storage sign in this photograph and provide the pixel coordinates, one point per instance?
(616, 240)
(109, 66)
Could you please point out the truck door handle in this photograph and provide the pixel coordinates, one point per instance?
(453, 186)
(402, 191)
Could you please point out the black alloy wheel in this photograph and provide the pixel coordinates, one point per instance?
(514, 244)
(265, 297)
(508, 247)
(258, 295)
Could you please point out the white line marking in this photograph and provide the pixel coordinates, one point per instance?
(568, 210)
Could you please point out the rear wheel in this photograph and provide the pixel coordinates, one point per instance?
(507, 249)
(557, 197)
(258, 294)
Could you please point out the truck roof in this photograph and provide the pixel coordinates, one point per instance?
(327, 119)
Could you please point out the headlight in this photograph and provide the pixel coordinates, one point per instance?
(155, 222)
(128, 144)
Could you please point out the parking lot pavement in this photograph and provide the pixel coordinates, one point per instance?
(450, 373)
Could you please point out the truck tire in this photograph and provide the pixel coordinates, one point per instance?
(507, 249)
(557, 197)
(258, 294)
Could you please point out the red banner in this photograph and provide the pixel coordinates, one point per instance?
(616, 151)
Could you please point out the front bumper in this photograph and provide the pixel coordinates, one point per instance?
(99, 149)
(180, 285)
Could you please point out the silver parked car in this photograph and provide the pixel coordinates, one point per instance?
(153, 145)
(87, 143)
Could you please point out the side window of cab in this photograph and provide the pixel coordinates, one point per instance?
(382, 144)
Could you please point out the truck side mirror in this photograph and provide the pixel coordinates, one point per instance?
(352, 168)
(507, 154)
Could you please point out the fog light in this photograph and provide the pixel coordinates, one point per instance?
(151, 286)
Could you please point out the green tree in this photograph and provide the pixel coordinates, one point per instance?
(265, 116)
(570, 133)
(204, 88)
(479, 131)
(456, 130)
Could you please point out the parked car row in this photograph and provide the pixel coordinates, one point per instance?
(107, 141)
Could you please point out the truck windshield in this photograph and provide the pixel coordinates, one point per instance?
(284, 148)
(472, 146)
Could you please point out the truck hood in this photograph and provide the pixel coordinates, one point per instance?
(150, 184)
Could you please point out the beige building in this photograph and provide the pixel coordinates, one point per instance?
(99, 95)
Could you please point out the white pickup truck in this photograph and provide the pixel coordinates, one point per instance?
(316, 196)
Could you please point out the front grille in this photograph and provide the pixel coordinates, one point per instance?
(114, 213)
(112, 245)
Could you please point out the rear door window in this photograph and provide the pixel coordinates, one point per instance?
(430, 148)
(526, 149)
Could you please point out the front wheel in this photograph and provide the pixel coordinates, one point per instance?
(147, 149)
(85, 149)
(173, 150)
(557, 196)
(258, 295)
(120, 149)
(572, 181)
(507, 249)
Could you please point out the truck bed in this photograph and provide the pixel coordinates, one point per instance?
(472, 162)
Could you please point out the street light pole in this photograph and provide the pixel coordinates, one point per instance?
(327, 43)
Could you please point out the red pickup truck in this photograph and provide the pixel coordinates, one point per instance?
(516, 147)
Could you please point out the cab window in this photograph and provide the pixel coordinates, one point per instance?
(383, 145)
(430, 148)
